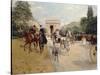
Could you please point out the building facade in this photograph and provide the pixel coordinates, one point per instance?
(52, 25)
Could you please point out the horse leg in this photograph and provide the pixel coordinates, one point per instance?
(64, 44)
(41, 48)
(25, 45)
(37, 43)
(30, 50)
(57, 58)
(68, 49)
(60, 44)
(54, 57)
(34, 44)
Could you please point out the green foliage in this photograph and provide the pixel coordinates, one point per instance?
(89, 12)
(89, 23)
(92, 22)
(92, 26)
(21, 13)
(83, 24)
(75, 29)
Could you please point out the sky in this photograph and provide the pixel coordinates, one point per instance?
(66, 13)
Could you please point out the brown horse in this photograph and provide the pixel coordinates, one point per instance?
(36, 40)
(29, 39)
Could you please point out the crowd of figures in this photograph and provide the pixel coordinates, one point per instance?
(61, 43)
(64, 42)
(39, 39)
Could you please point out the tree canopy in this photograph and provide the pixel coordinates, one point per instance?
(83, 24)
(21, 13)
(89, 23)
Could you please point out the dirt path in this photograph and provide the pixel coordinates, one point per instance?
(23, 62)
(77, 58)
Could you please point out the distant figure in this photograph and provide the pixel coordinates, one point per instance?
(84, 40)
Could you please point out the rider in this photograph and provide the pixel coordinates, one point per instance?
(33, 30)
(57, 35)
(42, 32)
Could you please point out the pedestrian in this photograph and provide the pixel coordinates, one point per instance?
(56, 51)
(84, 40)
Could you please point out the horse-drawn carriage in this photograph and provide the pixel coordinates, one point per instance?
(92, 40)
(93, 48)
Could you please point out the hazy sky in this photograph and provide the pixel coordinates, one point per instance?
(65, 12)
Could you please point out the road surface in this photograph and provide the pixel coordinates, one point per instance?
(76, 59)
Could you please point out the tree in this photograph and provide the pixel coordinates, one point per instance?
(21, 14)
(90, 13)
(92, 26)
(91, 22)
(75, 29)
(83, 24)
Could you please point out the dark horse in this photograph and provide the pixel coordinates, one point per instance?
(42, 41)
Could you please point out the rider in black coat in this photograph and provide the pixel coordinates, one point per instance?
(42, 31)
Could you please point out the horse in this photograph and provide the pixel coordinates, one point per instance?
(57, 38)
(92, 39)
(29, 39)
(55, 51)
(42, 41)
(70, 37)
(36, 40)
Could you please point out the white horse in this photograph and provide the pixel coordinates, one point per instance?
(70, 38)
(55, 51)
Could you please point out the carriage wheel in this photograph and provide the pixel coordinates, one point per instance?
(93, 54)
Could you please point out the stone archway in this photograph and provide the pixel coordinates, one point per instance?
(51, 29)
